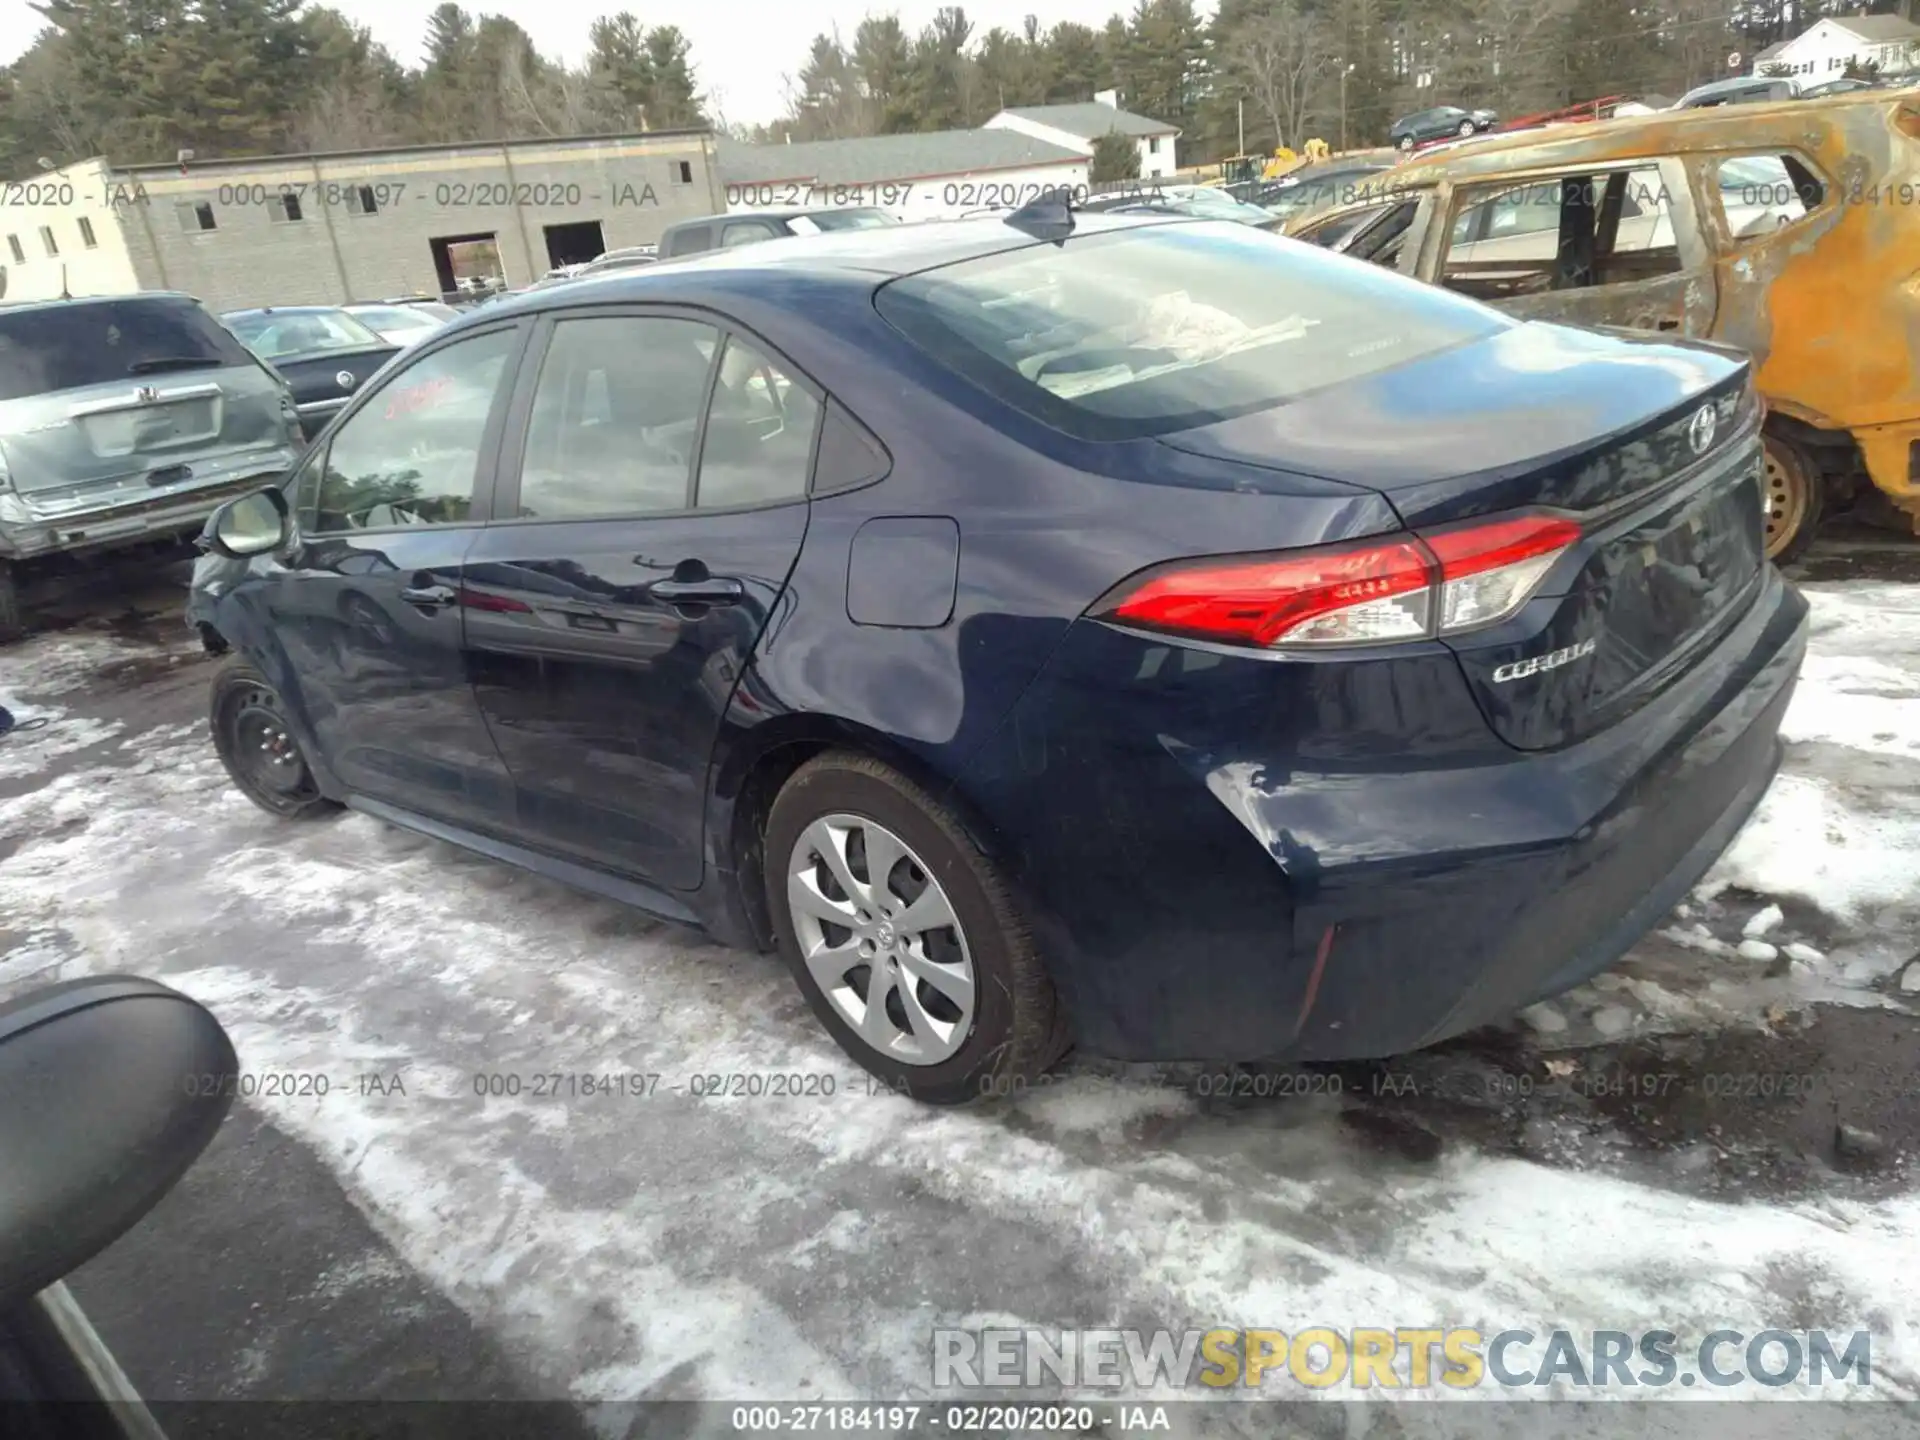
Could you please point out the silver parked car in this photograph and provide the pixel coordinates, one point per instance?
(124, 421)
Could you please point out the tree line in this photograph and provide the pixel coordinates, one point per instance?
(138, 80)
(1260, 73)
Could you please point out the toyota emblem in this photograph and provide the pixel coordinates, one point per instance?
(1700, 429)
(345, 381)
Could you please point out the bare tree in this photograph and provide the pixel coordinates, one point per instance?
(1278, 56)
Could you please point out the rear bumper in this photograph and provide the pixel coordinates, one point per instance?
(1323, 895)
(162, 517)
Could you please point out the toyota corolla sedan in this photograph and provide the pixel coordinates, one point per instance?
(1148, 634)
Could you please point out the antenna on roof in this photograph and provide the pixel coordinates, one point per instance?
(1047, 217)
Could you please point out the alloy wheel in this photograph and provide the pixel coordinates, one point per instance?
(881, 939)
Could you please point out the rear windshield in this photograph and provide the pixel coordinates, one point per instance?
(300, 332)
(1166, 327)
(64, 347)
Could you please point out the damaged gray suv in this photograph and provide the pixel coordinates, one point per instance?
(124, 421)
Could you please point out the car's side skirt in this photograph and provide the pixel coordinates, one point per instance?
(566, 872)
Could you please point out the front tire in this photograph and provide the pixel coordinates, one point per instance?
(1467, 128)
(258, 748)
(903, 937)
(1406, 144)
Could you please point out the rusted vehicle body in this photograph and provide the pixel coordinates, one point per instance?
(1788, 230)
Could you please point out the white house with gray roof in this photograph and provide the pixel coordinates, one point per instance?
(931, 175)
(1076, 127)
(1821, 52)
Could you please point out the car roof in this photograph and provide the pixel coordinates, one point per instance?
(869, 257)
(16, 306)
(284, 310)
(1852, 121)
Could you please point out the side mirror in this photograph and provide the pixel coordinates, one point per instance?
(251, 525)
(110, 1087)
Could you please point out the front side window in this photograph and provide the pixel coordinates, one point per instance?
(1158, 329)
(616, 414)
(410, 455)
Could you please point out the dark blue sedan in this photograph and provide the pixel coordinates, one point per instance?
(1165, 638)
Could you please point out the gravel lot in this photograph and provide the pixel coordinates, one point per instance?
(403, 1236)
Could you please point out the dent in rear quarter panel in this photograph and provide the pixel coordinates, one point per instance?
(1041, 536)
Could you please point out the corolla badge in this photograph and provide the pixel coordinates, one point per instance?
(1700, 429)
(1552, 660)
(346, 379)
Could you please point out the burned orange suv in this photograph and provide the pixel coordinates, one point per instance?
(1789, 230)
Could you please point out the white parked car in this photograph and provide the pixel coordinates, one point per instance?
(403, 322)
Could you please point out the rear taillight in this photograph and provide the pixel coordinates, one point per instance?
(1400, 587)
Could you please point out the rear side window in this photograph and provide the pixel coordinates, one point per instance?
(616, 415)
(1159, 329)
(65, 347)
(1760, 193)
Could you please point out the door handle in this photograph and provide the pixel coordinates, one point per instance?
(716, 590)
(1668, 323)
(432, 596)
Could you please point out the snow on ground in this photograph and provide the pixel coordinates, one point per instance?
(803, 1247)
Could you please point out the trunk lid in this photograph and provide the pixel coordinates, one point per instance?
(1652, 445)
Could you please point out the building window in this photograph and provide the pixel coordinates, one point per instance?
(1153, 145)
(194, 214)
(285, 207)
(683, 171)
(19, 251)
(86, 233)
(46, 239)
(360, 201)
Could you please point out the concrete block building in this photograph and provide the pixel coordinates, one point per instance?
(924, 175)
(354, 225)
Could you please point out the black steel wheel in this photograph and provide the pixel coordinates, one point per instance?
(258, 747)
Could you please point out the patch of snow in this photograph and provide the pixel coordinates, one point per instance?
(1613, 1020)
(1805, 954)
(1758, 950)
(1762, 921)
(28, 752)
(1544, 1018)
(1910, 979)
(1809, 842)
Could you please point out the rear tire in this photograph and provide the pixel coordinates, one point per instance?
(1795, 497)
(13, 619)
(258, 747)
(1406, 144)
(966, 1008)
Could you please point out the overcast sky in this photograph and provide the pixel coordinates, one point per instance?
(742, 49)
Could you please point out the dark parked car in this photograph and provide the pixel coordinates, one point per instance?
(750, 227)
(124, 420)
(1317, 186)
(1437, 124)
(324, 353)
(1162, 635)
